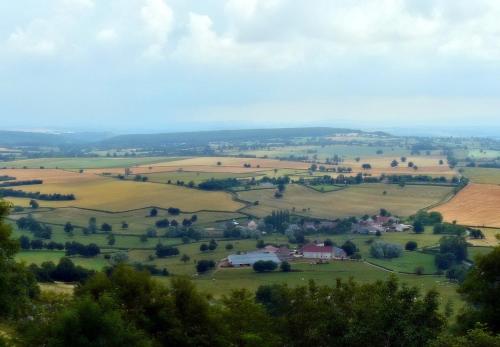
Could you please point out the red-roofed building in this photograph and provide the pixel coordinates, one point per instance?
(313, 251)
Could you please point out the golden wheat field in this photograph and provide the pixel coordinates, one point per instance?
(427, 165)
(109, 194)
(475, 205)
(49, 176)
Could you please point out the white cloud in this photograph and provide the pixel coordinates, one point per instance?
(106, 35)
(158, 19)
(35, 39)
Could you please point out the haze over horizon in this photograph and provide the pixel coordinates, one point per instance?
(176, 65)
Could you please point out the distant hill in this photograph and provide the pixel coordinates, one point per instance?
(26, 138)
(205, 137)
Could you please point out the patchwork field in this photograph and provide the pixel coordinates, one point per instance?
(475, 205)
(110, 194)
(352, 201)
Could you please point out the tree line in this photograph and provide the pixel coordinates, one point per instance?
(35, 195)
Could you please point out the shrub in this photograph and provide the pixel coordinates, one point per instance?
(411, 246)
(264, 266)
(204, 265)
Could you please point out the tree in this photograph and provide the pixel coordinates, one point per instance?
(124, 225)
(403, 159)
(394, 163)
(411, 246)
(264, 266)
(212, 245)
(203, 247)
(418, 227)
(285, 267)
(111, 239)
(68, 227)
(106, 227)
(481, 292)
(185, 258)
(92, 225)
(163, 251)
(380, 249)
(153, 212)
(229, 246)
(260, 244)
(34, 204)
(17, 284)
(349, 247)
(24, 242)
(203, 266)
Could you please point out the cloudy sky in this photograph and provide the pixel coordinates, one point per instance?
(166, 65)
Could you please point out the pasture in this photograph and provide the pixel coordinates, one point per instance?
(356, 200)
(38, 257)
(475, 205)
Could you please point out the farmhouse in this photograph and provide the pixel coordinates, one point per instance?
(313, 251)
(248, 259)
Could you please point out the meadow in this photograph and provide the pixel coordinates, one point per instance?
(356, 200)
(482, 175)
(81, 163)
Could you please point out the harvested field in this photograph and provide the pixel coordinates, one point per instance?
(49, 176)
(475, 205)
(235, 162)
(109, 194)
(355, 200)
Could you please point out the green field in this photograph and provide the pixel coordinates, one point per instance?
(84, 163)
(482, 175)
(353, 201)
(138, 220)
(38, 257)
(196, 177)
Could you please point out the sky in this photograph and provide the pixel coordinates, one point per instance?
(171, 65)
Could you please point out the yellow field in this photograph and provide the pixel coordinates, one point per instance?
(49, 176)
(427, 165)
(475, 205)
(233, 162)
(114, 195)
(352, 201)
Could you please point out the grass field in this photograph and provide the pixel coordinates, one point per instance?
(196, 177)
(482, 175)
(352, 201)
(38, 257)
(475, 205)
(138, 220)
(109, 194)
(233, 162)
(82, 163)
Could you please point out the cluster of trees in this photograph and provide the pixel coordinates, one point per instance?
(452, 252)
(219, 184)
(36, 195)
(449, 228)
(76, 248)
(20, 183)
(163, 251)
(64, 271)
(397, 179)
(186, 222)
(212, 246)
(26, 244)
(125, 307)
(278, 220)
(6, 178)
(424, 218)
(38, 229)
(380, 250)
(264, 266)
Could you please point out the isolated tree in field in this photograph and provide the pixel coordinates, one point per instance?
(418, 227)
(185, 258)
(403, 159)
(68, 227)
(281, 187)
(212, 245)
(476, 234)
(203, 266)
(411, 246)
(229, 246)
(106, 227)
(203, 247)
(124, 225)
(285, 267)
(24, 242)
(357, 159)
(313, 167)
(111, 239)
(174, 223)
(92, 225)
(153, 212)
(441, 162)
(366, 166)
(349, 247)
(394, 163)
(34, 204)
(411, 164)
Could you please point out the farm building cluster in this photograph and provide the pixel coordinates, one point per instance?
(279, 254)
